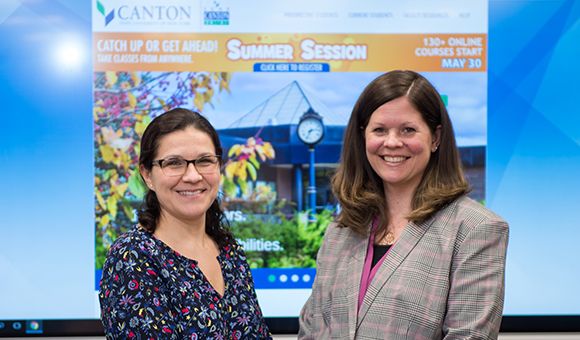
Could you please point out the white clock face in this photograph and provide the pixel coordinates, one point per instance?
(310, 131)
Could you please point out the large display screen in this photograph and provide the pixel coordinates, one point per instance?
(82, 80)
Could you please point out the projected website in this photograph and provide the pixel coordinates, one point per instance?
(254, 74)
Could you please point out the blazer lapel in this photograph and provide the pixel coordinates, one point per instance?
(356, 264)
(397, 254)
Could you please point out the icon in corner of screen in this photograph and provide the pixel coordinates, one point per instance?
(33, 326)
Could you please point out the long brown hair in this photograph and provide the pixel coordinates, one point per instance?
(177, 120)
(357, 186)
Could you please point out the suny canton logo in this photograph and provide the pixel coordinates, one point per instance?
(216, 16)
(108, 17)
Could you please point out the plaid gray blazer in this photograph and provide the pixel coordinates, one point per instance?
(442, 279)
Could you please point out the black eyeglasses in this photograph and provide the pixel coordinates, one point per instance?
(176, 166)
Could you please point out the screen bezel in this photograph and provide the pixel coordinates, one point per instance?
(279, 326)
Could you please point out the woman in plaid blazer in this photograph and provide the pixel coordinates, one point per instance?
(410, 255)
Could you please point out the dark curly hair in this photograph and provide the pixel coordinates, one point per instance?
(178, 120)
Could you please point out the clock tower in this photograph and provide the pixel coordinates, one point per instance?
(311, 131)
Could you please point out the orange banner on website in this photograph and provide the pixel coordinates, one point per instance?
(274, 52)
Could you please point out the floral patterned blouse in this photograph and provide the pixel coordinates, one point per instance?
(149, 291)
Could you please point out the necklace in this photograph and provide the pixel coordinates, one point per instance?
(389, 237)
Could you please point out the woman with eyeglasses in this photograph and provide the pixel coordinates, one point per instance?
(179, 274)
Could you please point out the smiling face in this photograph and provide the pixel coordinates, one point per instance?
(399, 144)
(185, 198)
